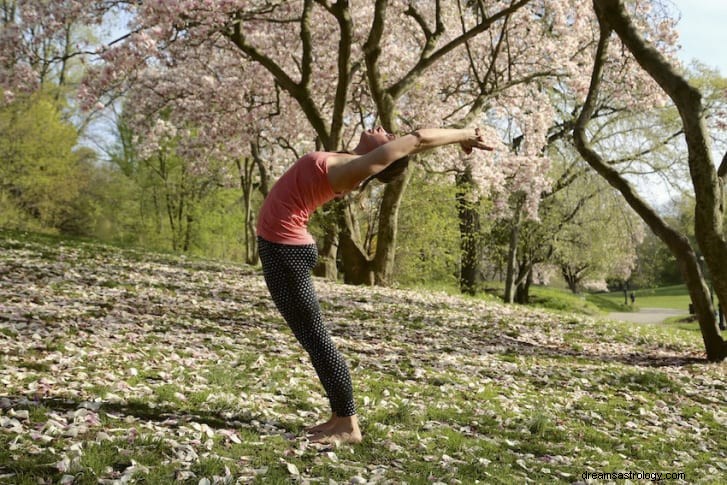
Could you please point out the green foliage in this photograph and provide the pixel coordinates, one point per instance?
(428, 241)
(656, 265)
(220, 226)
(39, 173)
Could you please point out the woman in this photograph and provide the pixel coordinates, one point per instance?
(288, 252)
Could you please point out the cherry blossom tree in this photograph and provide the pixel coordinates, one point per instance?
(707, 179)
(222, 132)
(43, 46)
(388, 55)
(221, 70)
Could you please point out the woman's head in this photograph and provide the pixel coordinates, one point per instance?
(372, 139)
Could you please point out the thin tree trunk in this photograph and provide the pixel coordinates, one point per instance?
(384, 258)
(512, 252)
(469, 233)
(245, 169)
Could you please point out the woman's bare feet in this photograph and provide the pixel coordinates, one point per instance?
(322, 426)
(338, 430)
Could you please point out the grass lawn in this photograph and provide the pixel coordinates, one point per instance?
(121, 366)
(675, 297)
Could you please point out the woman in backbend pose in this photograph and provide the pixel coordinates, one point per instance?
(288, 252)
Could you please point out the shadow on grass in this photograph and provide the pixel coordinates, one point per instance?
(28, 468)
(640, 359)
(144, 412)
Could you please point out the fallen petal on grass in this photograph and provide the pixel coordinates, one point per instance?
(130, 366)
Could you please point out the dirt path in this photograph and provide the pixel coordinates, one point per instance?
(646, 315)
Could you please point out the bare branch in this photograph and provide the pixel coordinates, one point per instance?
(424, 63)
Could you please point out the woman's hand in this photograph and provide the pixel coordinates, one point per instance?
(476, 141)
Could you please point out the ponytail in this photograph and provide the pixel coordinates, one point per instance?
(392, 172)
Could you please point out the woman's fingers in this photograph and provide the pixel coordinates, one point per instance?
(477, 142)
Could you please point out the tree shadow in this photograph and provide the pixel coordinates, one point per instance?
(640, 359)
(41, 466)
(167, 415)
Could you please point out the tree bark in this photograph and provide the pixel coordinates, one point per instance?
(510, 282)
(612, 16)
(384, 257)
(469, 234)
(522, 289)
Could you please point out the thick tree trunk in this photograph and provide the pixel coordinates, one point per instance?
(612, 15)
(356, 263)
(469, 234)
(570, 277)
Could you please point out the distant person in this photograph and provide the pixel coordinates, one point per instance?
(633, 297)
(288, 252)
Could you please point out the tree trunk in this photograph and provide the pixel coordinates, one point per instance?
(245, 170)
(469, 234)
(611, 15)
(384, 257)
(512, 252)
(358, 267)
(328, 246)
(571, 278)
(522, 289)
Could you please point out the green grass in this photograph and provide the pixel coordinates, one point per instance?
(193, 375)
(607, 302)
(675, 297)
(564, 300)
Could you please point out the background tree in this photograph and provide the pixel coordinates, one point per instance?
(49, 179)
(707, 180)
(40, 173)
(598, 243)
(389, 89)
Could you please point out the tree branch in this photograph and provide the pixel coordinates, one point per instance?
(424, 63)
(307, 46)
(343, 15)
(687, 98)
(372, 53)
(295, 90)
(646, 212)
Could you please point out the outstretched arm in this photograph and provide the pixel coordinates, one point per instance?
(348, 175)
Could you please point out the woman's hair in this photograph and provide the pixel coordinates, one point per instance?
(392, 172)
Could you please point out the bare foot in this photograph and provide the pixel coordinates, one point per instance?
(340, 430)
(321, 426)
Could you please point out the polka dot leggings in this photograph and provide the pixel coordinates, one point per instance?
(287, 271)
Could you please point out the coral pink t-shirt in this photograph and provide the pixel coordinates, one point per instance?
(294, 197)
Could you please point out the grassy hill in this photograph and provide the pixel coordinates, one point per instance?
(120, 366)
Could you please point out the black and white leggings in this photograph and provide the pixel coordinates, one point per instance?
(287, 271)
